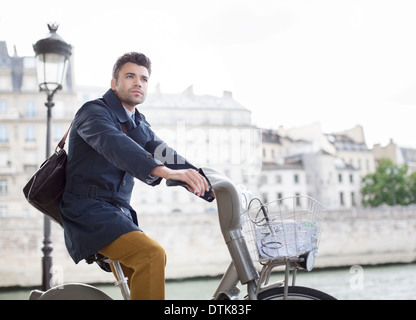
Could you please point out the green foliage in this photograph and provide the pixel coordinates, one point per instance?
(390, 185)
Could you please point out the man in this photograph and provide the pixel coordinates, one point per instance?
(110, 144)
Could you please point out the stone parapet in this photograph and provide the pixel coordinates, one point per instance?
(195, 247)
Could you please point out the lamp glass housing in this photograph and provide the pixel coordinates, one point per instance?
(51, 70)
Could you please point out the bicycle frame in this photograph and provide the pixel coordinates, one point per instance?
(242, 267)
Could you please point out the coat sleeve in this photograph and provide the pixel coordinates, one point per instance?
(98, 127)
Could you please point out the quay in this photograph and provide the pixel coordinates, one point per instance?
(195, 247)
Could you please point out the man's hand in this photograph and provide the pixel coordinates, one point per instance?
(196, 182)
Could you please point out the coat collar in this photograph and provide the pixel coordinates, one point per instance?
(115, 105)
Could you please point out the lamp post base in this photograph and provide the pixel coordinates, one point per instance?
(47, 255)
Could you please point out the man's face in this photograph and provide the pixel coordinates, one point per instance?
(131, 85)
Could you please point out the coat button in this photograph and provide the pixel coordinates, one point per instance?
(123, 183)
(148, 156)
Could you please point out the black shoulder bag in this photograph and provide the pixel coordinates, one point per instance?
(45, 188)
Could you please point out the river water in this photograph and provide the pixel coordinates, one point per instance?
(388, 282)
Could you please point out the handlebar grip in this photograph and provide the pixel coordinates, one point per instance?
(175, 183)
(208, 196)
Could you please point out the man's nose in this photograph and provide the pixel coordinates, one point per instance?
(138, 83)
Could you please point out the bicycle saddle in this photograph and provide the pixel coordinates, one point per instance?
(100, 260)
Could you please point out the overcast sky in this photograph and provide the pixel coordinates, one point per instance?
(291, 63)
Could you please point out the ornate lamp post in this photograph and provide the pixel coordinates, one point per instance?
(52, 55)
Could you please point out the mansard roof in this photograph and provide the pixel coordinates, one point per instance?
(345, 142)
(5, 59)
(188, 99)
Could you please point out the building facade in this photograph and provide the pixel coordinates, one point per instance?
(305, 161)
(395, 153)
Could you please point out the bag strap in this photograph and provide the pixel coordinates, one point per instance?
(61, 143)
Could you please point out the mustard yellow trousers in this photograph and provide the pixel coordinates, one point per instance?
(143, 261)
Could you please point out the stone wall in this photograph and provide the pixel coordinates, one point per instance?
(195, 246)
(368, 236)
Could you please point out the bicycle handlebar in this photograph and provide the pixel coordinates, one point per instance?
(175, 183)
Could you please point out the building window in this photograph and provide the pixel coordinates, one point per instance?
(297, 199)
(3, 212)
(278, 179)
(341, 198)
(4, 158)
(296, 178)
(59, 110)
(351, 178)
(353, 203)
(3, 187)
(30, 134)
(4, 134)
(3, 106)
(30, 109)
(58, 133)
(340, 177)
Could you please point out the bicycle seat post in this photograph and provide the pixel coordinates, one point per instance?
(122, 280)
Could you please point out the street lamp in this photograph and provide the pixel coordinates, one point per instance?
(52, 55)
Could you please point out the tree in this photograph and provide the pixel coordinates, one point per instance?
(412, 186)
(390, 185)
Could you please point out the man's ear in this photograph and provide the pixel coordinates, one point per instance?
(113, 84)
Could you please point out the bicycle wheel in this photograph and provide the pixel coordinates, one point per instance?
(294, 293)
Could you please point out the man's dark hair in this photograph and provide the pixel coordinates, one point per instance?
(133, 57)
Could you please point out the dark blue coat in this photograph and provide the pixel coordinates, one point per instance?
(102, 164)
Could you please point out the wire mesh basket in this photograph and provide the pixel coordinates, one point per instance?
(284, 228)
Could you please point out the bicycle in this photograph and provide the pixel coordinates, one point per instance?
(260, 237)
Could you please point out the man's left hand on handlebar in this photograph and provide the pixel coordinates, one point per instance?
(196, 183)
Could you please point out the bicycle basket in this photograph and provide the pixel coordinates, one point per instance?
(284, 228)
